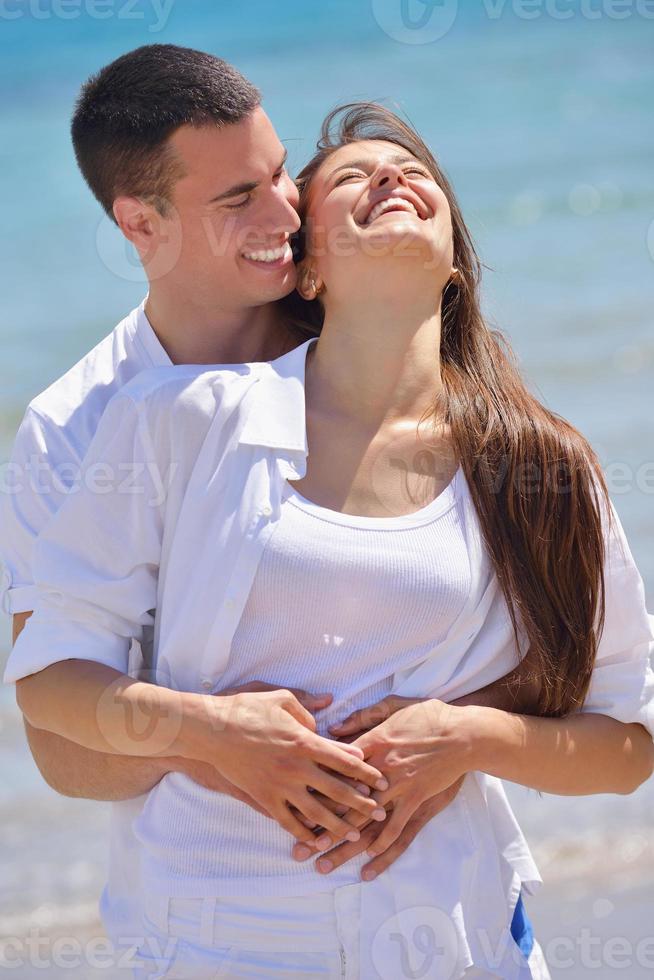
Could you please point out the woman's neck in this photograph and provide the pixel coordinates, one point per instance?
(376, 366)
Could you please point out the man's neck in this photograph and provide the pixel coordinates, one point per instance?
(191, 334)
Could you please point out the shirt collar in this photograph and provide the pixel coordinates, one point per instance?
(145, 335)
(276, 404)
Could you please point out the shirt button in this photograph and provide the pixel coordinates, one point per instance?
(229, 603)
(206, 683)
(266, 510)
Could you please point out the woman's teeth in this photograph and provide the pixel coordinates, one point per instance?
(391, 203)
(268, 254)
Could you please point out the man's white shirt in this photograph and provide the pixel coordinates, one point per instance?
(53, 439)
(209, 451)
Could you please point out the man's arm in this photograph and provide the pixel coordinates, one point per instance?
(517, 691)
(73, 770)
(76, 771)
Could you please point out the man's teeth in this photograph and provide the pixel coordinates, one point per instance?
(394, 203)
(268, 254)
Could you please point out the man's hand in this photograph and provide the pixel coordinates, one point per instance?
(370, 833)
(209, 777)
(270, 748)
(75, 771)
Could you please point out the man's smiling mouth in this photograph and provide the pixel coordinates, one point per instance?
(269, 255)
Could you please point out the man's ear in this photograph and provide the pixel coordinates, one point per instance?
(135, 219)
(157, 240)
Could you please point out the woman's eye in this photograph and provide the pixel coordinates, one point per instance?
(239, 204)
(417, 172)
(348, 176)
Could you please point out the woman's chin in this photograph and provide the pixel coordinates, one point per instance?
(402, 241)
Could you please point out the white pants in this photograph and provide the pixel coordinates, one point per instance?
(284, 938)
(312, 936)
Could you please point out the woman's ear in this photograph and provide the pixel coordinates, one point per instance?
(309, 285)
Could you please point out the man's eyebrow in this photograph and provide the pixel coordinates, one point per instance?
(362, 164)
(235, 191)
(246, 187)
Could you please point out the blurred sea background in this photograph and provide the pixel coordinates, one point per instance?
(542, 116)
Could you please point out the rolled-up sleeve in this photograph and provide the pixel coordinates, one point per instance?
(31, 491)
(96, 562)
(622, 682)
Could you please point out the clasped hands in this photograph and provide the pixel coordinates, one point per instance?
(424, 753)
(420, 746)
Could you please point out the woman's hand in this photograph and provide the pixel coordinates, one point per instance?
(422, 746)
(266, 744)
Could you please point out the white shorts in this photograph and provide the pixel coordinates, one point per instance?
(298, 938)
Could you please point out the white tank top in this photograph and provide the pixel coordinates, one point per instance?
(339, 603)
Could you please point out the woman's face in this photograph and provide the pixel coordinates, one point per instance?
(376, 211)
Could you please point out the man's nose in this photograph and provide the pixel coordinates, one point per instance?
(282, 217)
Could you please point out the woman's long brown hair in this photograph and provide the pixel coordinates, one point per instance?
(536, 483)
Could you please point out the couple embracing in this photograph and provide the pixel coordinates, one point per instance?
(358, 575)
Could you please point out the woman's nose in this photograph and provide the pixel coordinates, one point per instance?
(388, 175)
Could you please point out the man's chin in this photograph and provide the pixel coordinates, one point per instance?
(277, 288)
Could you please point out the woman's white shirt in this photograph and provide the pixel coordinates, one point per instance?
(182, 487)
(339, 603)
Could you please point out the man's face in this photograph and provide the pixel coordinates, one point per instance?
(234, 211)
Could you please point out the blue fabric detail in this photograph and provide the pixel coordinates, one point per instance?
(521, 928)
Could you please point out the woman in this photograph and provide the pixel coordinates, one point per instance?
(285, 547)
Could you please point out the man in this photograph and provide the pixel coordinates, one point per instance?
(175, 146)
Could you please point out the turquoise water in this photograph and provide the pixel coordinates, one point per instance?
(545, 126)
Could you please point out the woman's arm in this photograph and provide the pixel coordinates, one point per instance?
(425, 745)
(575, 756)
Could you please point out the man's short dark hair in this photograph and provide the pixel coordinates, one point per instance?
(126, 112)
